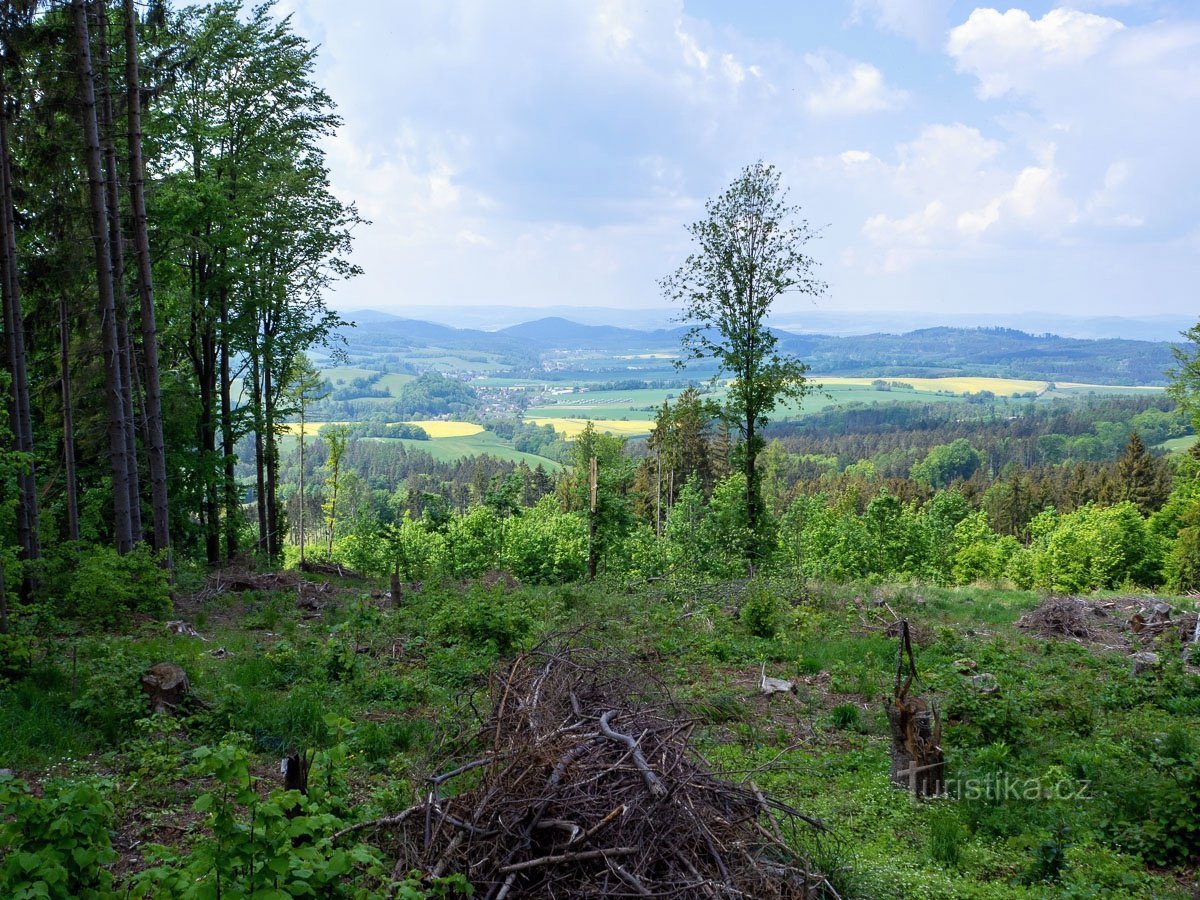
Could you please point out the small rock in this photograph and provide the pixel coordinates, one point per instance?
(965, 665)
(1145, 661)
(985, 683)
(6, 773)
(220, 653)
(776, 686)
(184, 629)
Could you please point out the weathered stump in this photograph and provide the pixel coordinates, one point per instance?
(166, 684)
(918, 764)
(917, 760)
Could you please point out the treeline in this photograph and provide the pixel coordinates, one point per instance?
(168, 232)
(680, 507)
(426, 396)
(895, 436)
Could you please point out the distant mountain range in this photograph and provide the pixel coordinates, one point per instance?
(817, 320)
(941, 350)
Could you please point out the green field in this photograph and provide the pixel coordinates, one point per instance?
(449, 449)
(341, 376)
(1179, 444)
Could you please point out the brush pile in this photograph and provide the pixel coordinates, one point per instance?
(583, 782)
(1069, 617)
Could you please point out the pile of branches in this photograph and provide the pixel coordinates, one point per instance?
(1061, 617)
(237, 582)
(583, 782)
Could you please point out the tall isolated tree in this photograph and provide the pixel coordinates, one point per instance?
(748, 252)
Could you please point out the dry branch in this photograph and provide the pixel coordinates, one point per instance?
(552, 799)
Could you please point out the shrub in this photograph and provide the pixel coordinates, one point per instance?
(107, 588)
(57, 845)
(489, 619)
(764, 613)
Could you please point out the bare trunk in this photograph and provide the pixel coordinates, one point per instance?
(156, 449)
(302, 426)
(233, 509)
(114, 390)
(260, 493)
(116, 249)
(14, 332)
(68, 416)
(272, 458)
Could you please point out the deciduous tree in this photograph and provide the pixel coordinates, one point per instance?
(748, 252)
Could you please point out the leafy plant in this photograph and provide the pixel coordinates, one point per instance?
(56, 845)
(107, 587)
(278, 847)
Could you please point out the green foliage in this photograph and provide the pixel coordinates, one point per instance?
(945, 464)
(494, 619)
(545, 545)
(845, 716)
(56, 845)
(276, 847)
(107, 588)
(110, 697)
(946, 837)
(764, 612)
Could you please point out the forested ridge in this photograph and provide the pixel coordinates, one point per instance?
(260, 638)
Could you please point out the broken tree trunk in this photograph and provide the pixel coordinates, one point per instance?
(917, 760)
(166, 684)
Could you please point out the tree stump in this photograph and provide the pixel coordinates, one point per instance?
(917, 760)
(166, 684)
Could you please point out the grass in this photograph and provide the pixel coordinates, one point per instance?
(1179, 444)
(399, 676)
(572, 428)
(954, 384)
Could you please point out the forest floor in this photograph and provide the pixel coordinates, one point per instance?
(1068, 775)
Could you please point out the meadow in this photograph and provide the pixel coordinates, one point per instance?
(381, 694)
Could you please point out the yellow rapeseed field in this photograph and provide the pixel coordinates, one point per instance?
(570, 428)
(955, 384)
(436, 428)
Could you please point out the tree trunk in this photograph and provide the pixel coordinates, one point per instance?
(155, 446)
(114, 390)
(233, 509)
(14, 332)
(116, 249)
(68, 417)
(272, 452)
(303, 422)
(752, 498)
(260, 493)
(918, 762)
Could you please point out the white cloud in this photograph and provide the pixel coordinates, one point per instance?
(920, 20)
(856, 157)
(846, 87)
(1012, 51)
(955, 189)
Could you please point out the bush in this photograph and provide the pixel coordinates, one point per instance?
(488, 619)
(764, 613)
(56, 845)
(106, 588)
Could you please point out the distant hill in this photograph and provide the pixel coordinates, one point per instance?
(942, 350)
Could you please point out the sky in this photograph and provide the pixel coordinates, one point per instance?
(954, 158)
